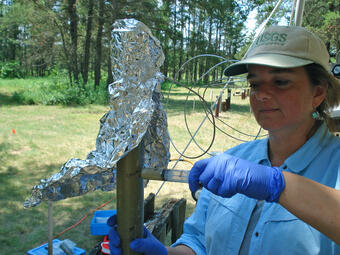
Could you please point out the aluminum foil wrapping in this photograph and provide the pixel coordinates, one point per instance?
(135, 113)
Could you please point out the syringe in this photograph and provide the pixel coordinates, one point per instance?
(165, 175)
(169, 175)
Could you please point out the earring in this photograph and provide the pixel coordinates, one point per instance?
(315, 115)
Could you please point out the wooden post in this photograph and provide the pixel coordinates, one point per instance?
(243, 94)
(229, 99)
(149, 207)
(130, 195)
(178, 217)
(217, 109)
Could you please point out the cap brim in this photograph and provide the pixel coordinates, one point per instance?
(273, 60)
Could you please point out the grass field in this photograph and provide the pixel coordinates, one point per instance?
(35, 140)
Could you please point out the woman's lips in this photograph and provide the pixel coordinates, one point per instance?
(268, 110)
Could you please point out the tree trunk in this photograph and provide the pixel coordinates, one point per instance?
(174, 39)
(200, 42)
(97, 64)
(109, 63)
(66, 53)
(187, 68)
(166, 61)
(193, 46)
(13, 47)
(207, 59)
(72, 11)
(181, 43)
(88, 41)
(166, 37)
(216, 48)
(113, 16)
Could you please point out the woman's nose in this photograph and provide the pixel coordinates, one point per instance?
(262, 93)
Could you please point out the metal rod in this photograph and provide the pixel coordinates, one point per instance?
(292, 13)
(193, 136)
(130, 195)
(262, 26)
(50, 227)
(300, 5)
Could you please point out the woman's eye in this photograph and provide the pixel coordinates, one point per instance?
(281, 82)
(253, 85)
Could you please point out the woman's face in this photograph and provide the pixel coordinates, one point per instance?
(283, 98)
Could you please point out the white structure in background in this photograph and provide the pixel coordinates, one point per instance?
(335, 113)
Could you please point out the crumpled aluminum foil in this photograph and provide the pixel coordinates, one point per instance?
(135, 113)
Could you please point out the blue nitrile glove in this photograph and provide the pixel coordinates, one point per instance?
(148, 245)
(114, 239)
(225, 175)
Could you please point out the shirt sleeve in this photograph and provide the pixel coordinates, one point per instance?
(337, 184)
(194, 227)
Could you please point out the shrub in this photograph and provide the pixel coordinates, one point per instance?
(58, 91)
(166, 85)
(10, 69)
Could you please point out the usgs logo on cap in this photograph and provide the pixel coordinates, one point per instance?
(271, 38)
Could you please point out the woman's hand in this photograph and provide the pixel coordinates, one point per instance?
(114, 239)
(225, 175)
(148, 245)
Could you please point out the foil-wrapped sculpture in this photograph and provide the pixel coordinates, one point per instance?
(135, 113)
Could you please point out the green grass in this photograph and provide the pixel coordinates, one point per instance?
(47, 136)
(53, 90)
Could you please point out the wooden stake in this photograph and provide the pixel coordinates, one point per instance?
(130, 196)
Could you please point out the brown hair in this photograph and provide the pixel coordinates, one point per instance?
(319, 76)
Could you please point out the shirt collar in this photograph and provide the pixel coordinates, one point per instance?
(300, 159)
(261, 154)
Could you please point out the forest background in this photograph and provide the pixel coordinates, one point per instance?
(69, 40)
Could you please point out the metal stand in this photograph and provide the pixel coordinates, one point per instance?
(130, 196)
(300, 5)
(50, 227)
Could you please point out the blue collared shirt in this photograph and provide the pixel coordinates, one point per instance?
(218, 225)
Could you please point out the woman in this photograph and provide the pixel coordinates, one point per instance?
(271, 196)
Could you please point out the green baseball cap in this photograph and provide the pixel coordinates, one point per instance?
(283, 47)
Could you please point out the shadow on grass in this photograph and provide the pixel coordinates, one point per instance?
(7, 100)
(4, 148)
(172, 93)
(8, 178)
(26, 229)
(42, 172)
(10, 175)
(18, 225)
(240, 108)
(203, 92)
(177, 106)
(29, 226)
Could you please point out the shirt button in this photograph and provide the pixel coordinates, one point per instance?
(257, 234)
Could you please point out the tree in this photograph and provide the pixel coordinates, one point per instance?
(88, 41)
(323, 18)
(320, 17)
(48, 34)
(97, 65)
(73, 18)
